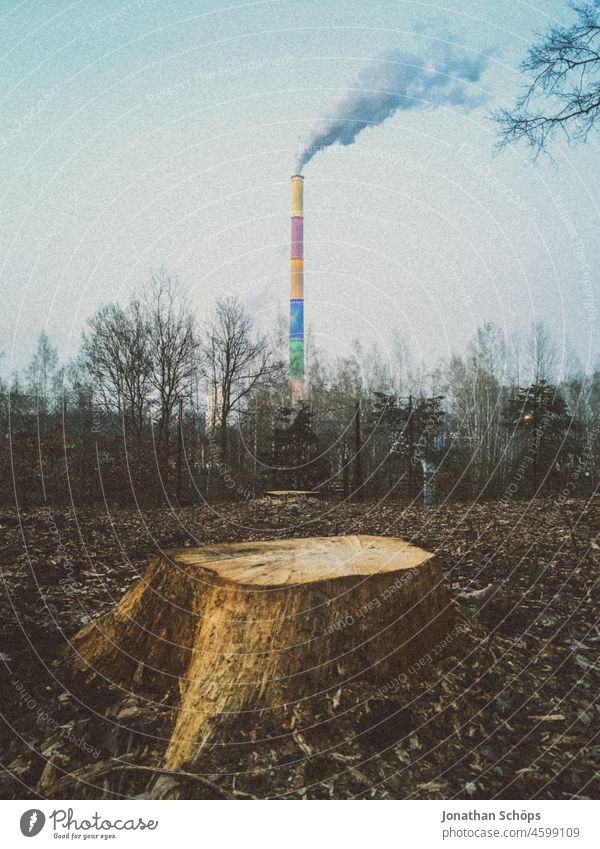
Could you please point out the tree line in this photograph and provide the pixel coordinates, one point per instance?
(159, 408)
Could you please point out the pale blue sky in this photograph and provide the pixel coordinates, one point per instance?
(137, 133)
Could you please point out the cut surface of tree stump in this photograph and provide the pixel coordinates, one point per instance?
(259, 626)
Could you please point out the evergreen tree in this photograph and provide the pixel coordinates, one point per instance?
(539, 416)
(297, 462)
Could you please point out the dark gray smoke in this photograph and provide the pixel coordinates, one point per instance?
(395, 81)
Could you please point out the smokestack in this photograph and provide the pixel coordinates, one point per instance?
(296, 369)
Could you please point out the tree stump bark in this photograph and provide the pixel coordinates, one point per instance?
(257, 626)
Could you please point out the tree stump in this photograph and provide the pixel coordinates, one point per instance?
(260, 626)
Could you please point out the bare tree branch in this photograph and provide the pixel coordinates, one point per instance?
(564, 93)
(174, 345)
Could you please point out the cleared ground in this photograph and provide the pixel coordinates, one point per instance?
(506, 709)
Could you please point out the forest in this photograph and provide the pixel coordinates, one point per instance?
(163, 407)
(169, 430)
(239, 563)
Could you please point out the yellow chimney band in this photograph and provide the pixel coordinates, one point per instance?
(297, 278)
(297, 195)
(297, 285)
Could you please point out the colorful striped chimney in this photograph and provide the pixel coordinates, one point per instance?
(296, 370)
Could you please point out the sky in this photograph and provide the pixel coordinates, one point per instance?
(144, 133)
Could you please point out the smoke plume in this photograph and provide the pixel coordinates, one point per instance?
(396, 81)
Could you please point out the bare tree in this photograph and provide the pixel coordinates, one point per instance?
(42, 371)
(565, 91)
(174, 345)
(476, 394)
(237, 360)
(541, 353)
(116, 352)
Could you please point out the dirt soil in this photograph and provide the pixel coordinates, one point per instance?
(506, 708)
